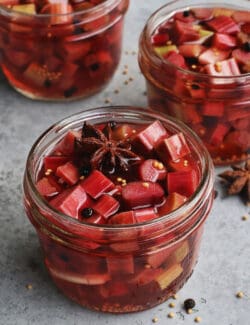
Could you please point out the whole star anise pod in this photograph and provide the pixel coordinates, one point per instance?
(105, 153)
(239, 180)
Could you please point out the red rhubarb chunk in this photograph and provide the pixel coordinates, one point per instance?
(152, 170)
(213, 108)
(67, 145)
(223, 68)
(173, 201)
(46, 188)
(142, 194)
(69, 173)
(213, 55)
(174, 146)
(146, 214)
(218, 133)
(106, 206)
(224, 41)
(242, 57)
(182, 182)
(202, 13)
(176, 59)
(71, 201)
(191, 50)
(52, 162)
(147, 138)
(159, 39)
(186, 16)
(122, 265)
(146, 276)
(94, 219)
(123, 218)
(96, 184)
(241, 16)
(223, 24)
(184, 32)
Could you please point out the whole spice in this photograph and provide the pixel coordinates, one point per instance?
(189, 303)
(239, 180)
(105, 153)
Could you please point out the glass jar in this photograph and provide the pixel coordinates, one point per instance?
(66, 56)
(119, 268)
(217, 108)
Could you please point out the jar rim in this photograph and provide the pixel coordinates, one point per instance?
(179, 5)
(99, 10)
(201, 193)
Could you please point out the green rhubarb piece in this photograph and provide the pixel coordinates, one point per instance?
(28, 8)
(168, 276)
(181, 252)
(205, 32)
(163, 50)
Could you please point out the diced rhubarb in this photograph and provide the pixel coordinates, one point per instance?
(157, 258)
(122, 132)
(148, 137)
(182, 182)
(46, 188)
(224, 69)
(191, 50)
(245, 28)
(184, 32)
(97, 184)
(76, 50)
(27, 8)
(224, 41)
(68, 172)
(220, 11)
(213, 55)
(173, 201)
(120, 265)
(52, 162)
(145, 276)
(169, 275)
(185, 16)
(159, 39)
(176, 59)
(178, 254)
(86, 279)
(223, 24)
(71, 201)
(152, 170)
(142, 194)
(123, 218)
(218, 133)
(241, 16)
(174, 147)
(191, 113)
(202, 13)
(242, 57)
(164, 50)
(18, 58)
(213, 108)
(95, 219)
(114, 288)
(67, 145)
(106, 206)
(59, 12)
(146, 214)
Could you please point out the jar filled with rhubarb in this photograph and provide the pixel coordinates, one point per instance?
(195, 58)
(118, 197)
(60, 49)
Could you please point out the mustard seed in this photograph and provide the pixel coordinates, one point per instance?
(171, 315)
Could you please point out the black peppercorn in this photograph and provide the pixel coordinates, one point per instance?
(186, 13)
(95, 66)
(189, 303)
(112, 124)
(246, 46)
(84, 170)
(195, 86)
(87, 212)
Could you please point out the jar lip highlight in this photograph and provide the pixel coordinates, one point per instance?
(152, 23)
(98, 10)
(119, 113)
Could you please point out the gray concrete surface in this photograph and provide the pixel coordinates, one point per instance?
(224, 264)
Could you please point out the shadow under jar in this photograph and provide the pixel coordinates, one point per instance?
(196, 61)
(61, 50)
(123, 267)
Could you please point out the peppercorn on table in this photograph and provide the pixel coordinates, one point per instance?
(218, 290)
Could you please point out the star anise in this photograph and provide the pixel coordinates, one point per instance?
(105, 153)
(239, 180)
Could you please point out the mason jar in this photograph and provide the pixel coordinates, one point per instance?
(61, 51)
(119, 268)
(216, 107)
